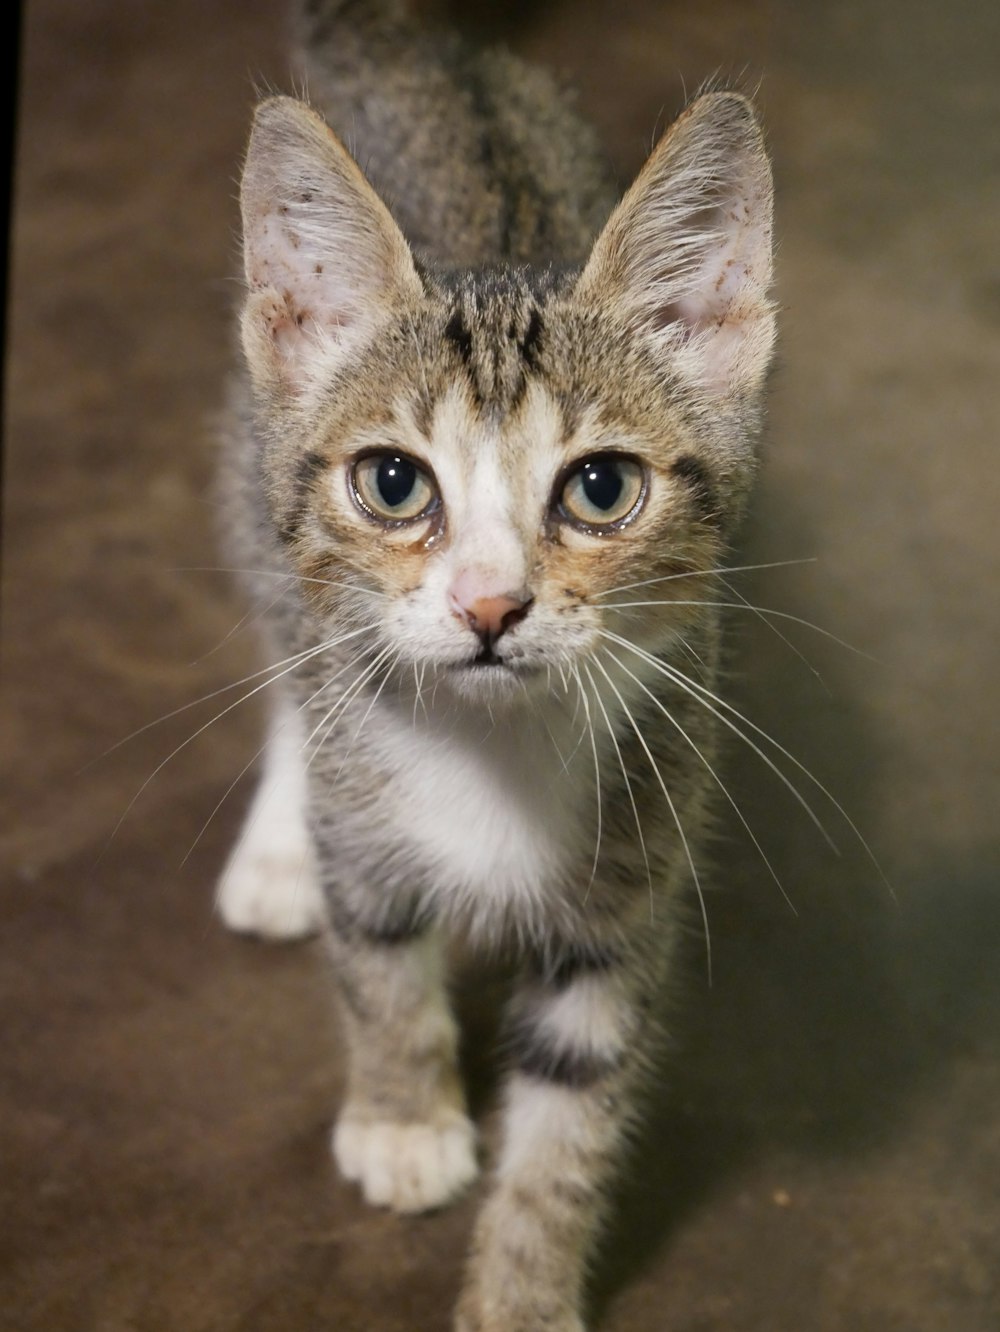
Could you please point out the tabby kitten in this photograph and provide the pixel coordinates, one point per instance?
(485, 468)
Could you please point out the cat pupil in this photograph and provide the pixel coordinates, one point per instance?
(602, 484)
(396, 479)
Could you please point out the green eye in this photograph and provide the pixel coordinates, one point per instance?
(393, 488)
(602, 491)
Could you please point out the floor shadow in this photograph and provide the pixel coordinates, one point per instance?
(822, 1024)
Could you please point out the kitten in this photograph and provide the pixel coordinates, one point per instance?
(485, 466)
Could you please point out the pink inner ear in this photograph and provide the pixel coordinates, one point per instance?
(689, 313)
(719, 281)
(709, 307)
(290, 323)
(281, 321)
(308, 296)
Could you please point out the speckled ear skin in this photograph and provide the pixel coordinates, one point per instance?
(322, 256)
(491, 321)
(686, 255)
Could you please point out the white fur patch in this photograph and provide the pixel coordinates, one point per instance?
(269, 886)
(489, 805)
(408, 1167)
(539, 1116)
(586, 1018)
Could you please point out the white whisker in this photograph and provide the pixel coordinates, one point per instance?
(539, 712)
(628, 784)
(416, 693)
(743, 605)
(428, 396)
(249, 618)
(332, 716)
(673, 813)
(393, 662)
(735, 592)
(696, 691)
(281, 573)
(699, 692)
(589, 729)
(701, 573)
(295, 658)
(579, 741)
(695, 657)
(242, 773)
(343, 696)
(420, 690)
(718, 780)
(298, 660)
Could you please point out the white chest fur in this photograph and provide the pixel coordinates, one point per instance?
(496, 807)
(492, 814)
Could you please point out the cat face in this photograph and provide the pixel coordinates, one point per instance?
(487, 472)
(487, 482)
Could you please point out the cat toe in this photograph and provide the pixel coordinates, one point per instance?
(407, 1167)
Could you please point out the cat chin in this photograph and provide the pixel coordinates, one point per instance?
(494, 685)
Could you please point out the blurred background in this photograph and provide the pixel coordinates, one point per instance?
(824, 1141)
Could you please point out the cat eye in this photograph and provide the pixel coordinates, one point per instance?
(602, 492)
(392, 488)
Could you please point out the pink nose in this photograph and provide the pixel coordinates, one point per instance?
(490, 617)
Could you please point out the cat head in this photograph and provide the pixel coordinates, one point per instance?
(479, 468)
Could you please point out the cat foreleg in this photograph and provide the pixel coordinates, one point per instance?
(403, 1134)
(565, 1116)
(269, 886)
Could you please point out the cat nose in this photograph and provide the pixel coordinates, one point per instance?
(490, 617)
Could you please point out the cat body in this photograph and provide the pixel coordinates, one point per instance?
(482, 470)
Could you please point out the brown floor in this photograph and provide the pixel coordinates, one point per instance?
(824, 1151)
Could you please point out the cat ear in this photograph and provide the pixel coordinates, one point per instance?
(685, 258)
(322, 256)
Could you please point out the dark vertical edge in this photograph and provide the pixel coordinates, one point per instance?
(12, 27)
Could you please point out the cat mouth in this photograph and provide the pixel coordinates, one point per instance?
(486, 662)
(487, 657)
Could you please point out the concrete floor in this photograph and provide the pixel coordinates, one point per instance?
(824, 1145)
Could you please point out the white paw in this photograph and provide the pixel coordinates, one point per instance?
(408, 1167)
(271, 891)
(270, 886)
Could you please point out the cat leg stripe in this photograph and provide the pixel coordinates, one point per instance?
(537, 1054)
(401, 925)
(559, 969)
